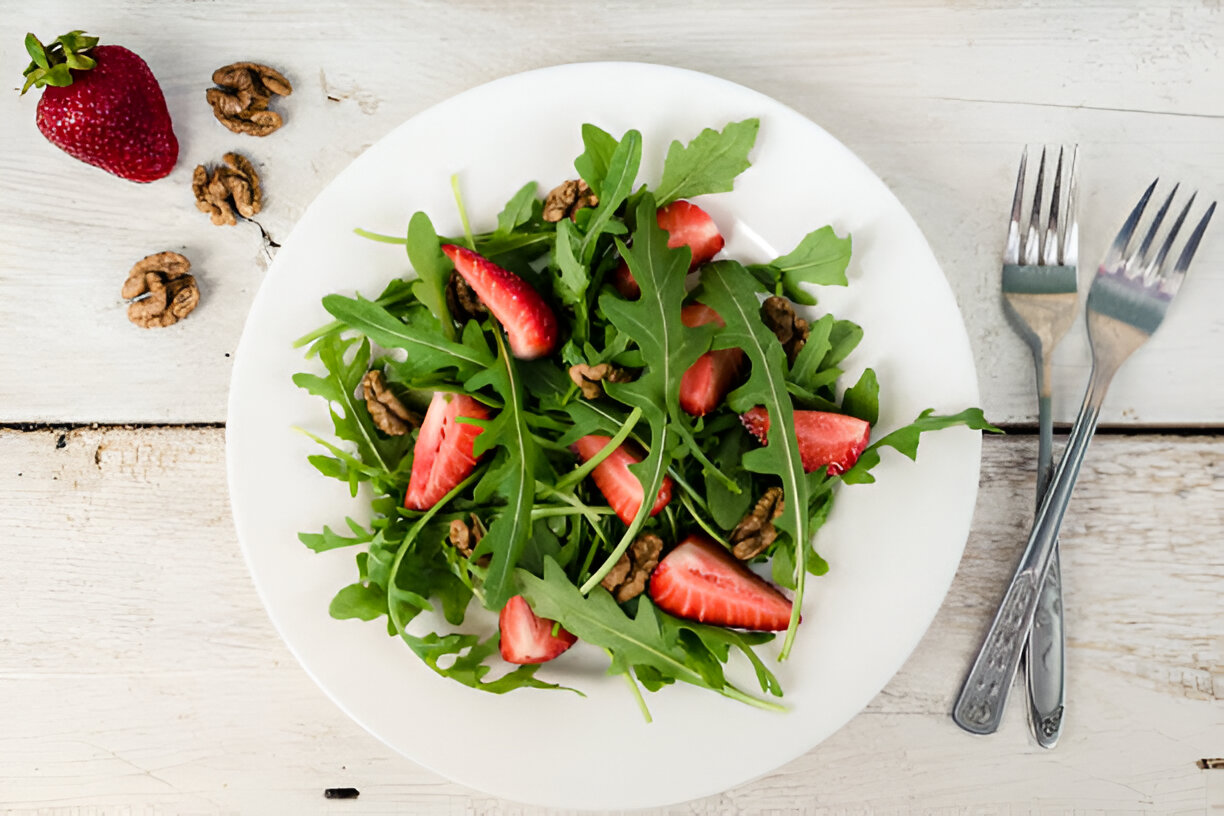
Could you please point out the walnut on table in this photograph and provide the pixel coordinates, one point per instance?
(756, 531)
(231, 186)
(390, 415)
(160, 290)
(791, 330)
(568, 198)
(588, 377)
(628, 578)
(246, 90)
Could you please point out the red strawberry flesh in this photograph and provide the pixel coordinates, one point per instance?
(687, 225)
(443, 455)
(699, 580)
(113, 116)
(707, 381)
(824, 438)
(531, 327)
(615, 481)
(528, 638)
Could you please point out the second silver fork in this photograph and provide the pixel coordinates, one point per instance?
(1041, 300)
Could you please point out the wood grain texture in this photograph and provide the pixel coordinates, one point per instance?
(140, 675)
(937, 97)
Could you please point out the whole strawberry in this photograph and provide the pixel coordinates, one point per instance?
(102, 105)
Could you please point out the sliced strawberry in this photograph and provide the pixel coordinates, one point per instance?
(710, 378)
(699, 580)
(442, 457)
(829, 439)
(686, 225)
(528, 638)
(614, 479)
(531, 326)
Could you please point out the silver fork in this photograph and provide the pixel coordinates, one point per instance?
(1127, 302)
(1041, 301)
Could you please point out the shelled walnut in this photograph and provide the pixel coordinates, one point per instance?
(241, 102)
(160, 290)
(231, 186)
(756, 531)
(627, 579)
(791, 330)
(568, 198)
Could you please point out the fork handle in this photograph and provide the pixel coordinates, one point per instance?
(1044, 652)
(979, 708)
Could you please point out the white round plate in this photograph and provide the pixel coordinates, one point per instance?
(893, 546)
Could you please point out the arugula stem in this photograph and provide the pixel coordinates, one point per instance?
(648, 494)
(701, 522)
(707, 466)
(467, 228)
(551, 512)
(688, 488)
(756, 702)
(379, 237)
(576, 475)
(410, 538)
(585, 509)
(633, 686)
(544, 442)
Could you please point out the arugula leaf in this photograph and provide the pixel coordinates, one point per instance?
(820, 258)
(359, 601)
(339, 388)
(427, 349)
(729, 289)
(862, 400)
(592, 165)
(397, 293)
(432, 269)
(622, 172)
(647, 639)
(331, 540)
(709, 163)
(518, 210)
(844, 337)
(906, 439)
(470, 669)
(668, 349)
(513, 476)
(574, 278)
(727, 507)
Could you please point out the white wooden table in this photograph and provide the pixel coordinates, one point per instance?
(139, 673)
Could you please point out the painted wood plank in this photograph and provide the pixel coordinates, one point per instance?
(936, 97)
(139, 673)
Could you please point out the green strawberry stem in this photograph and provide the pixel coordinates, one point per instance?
(53, 65)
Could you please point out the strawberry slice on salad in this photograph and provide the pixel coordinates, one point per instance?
(531, 326)
(708, 380)
(824, 438)
(443, 456)
(615, 481)
(701, 581)
(687, 225)
(528, 638)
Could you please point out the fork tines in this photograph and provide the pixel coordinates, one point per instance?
(1143, 265)
(1057, 245)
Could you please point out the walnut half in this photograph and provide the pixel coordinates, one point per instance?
(231, 186)
(241, 102)
(791, 330)
(568, 198)
(389, 414)
(588, 377)
(464, 537)
(160, 290)
(627, 579)
(756, 531)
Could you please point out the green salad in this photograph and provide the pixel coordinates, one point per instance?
(590, 422)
